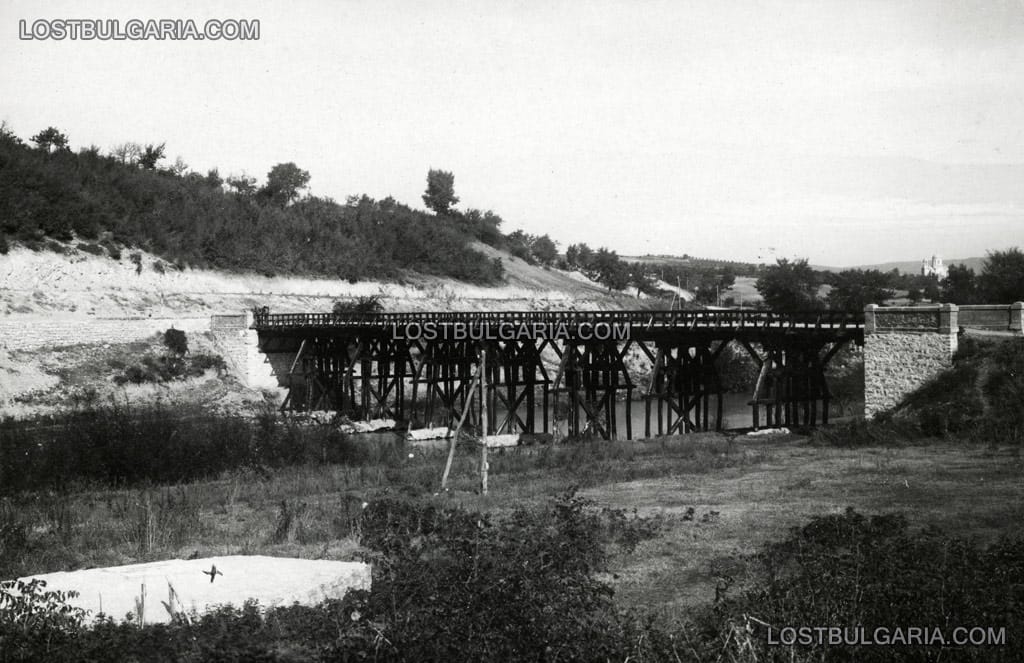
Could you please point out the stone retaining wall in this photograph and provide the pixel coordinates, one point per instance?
(30, 332)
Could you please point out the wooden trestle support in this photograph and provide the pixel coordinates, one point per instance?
(374, 375)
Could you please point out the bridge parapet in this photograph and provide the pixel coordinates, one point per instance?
(993, 317)
(904, 347)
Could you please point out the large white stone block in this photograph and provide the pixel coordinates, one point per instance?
(177, 585)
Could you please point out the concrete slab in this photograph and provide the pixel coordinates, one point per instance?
(371, 426)
(508, 440)
(158, 589)
(423, 434)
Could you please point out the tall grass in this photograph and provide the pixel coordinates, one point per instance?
(120, 445)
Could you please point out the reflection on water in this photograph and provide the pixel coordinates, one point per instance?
(736, 414)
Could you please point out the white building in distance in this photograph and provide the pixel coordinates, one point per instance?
(934, 267)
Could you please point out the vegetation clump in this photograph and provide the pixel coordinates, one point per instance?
(175, 363)
(49, 191)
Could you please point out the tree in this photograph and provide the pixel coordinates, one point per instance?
(213, 178)
(544, 250)
(581, 257)
(727, 278)
(610, 271)
(179, 167)
(7, 135)
(707, 293)
(641, 280)
(440, 194)
(284, 181)
(150, 155)
(243, 184)
(127, 153)
(789, 286)
(50, 139)
(518, 244)
(572, 254)
(853, 289)
(960, 285)
(1002, 277)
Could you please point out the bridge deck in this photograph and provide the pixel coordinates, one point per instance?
(809, 321)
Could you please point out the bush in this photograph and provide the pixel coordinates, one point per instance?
(176, 341)
(852, 570)
(362, 304)
(94, 249)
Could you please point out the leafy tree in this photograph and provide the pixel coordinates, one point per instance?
(609, 270)
(853, 289)
(284, 181)
(243, 184)
(485, 226)
(641, 280)
(789, 286)
(50, 139)
(179, 168)
(150, 155)
(519, 245)
(544, 250)
(440, 194)
(707, 294)
(1002, 277)
(727, 278)
(6, 135)
(960, 285)
(581, 257)
(213, 178)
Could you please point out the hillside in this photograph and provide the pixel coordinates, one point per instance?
(80, 284)
(56, 305)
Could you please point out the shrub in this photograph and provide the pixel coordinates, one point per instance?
(852, 570)
(454, 585)
(176, 341)
(94, 249)
(362, 304)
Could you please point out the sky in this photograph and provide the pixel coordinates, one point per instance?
(846, 132)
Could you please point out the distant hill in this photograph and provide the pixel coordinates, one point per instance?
(912, 266)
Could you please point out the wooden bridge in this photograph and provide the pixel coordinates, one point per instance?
(569, 367)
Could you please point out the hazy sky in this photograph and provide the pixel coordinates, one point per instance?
(847, 132)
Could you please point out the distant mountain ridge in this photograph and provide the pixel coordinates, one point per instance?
(912, 266)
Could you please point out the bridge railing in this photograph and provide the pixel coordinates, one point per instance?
(718, 319)
(991, 317)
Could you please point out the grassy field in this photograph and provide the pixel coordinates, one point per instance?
(716, 499)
